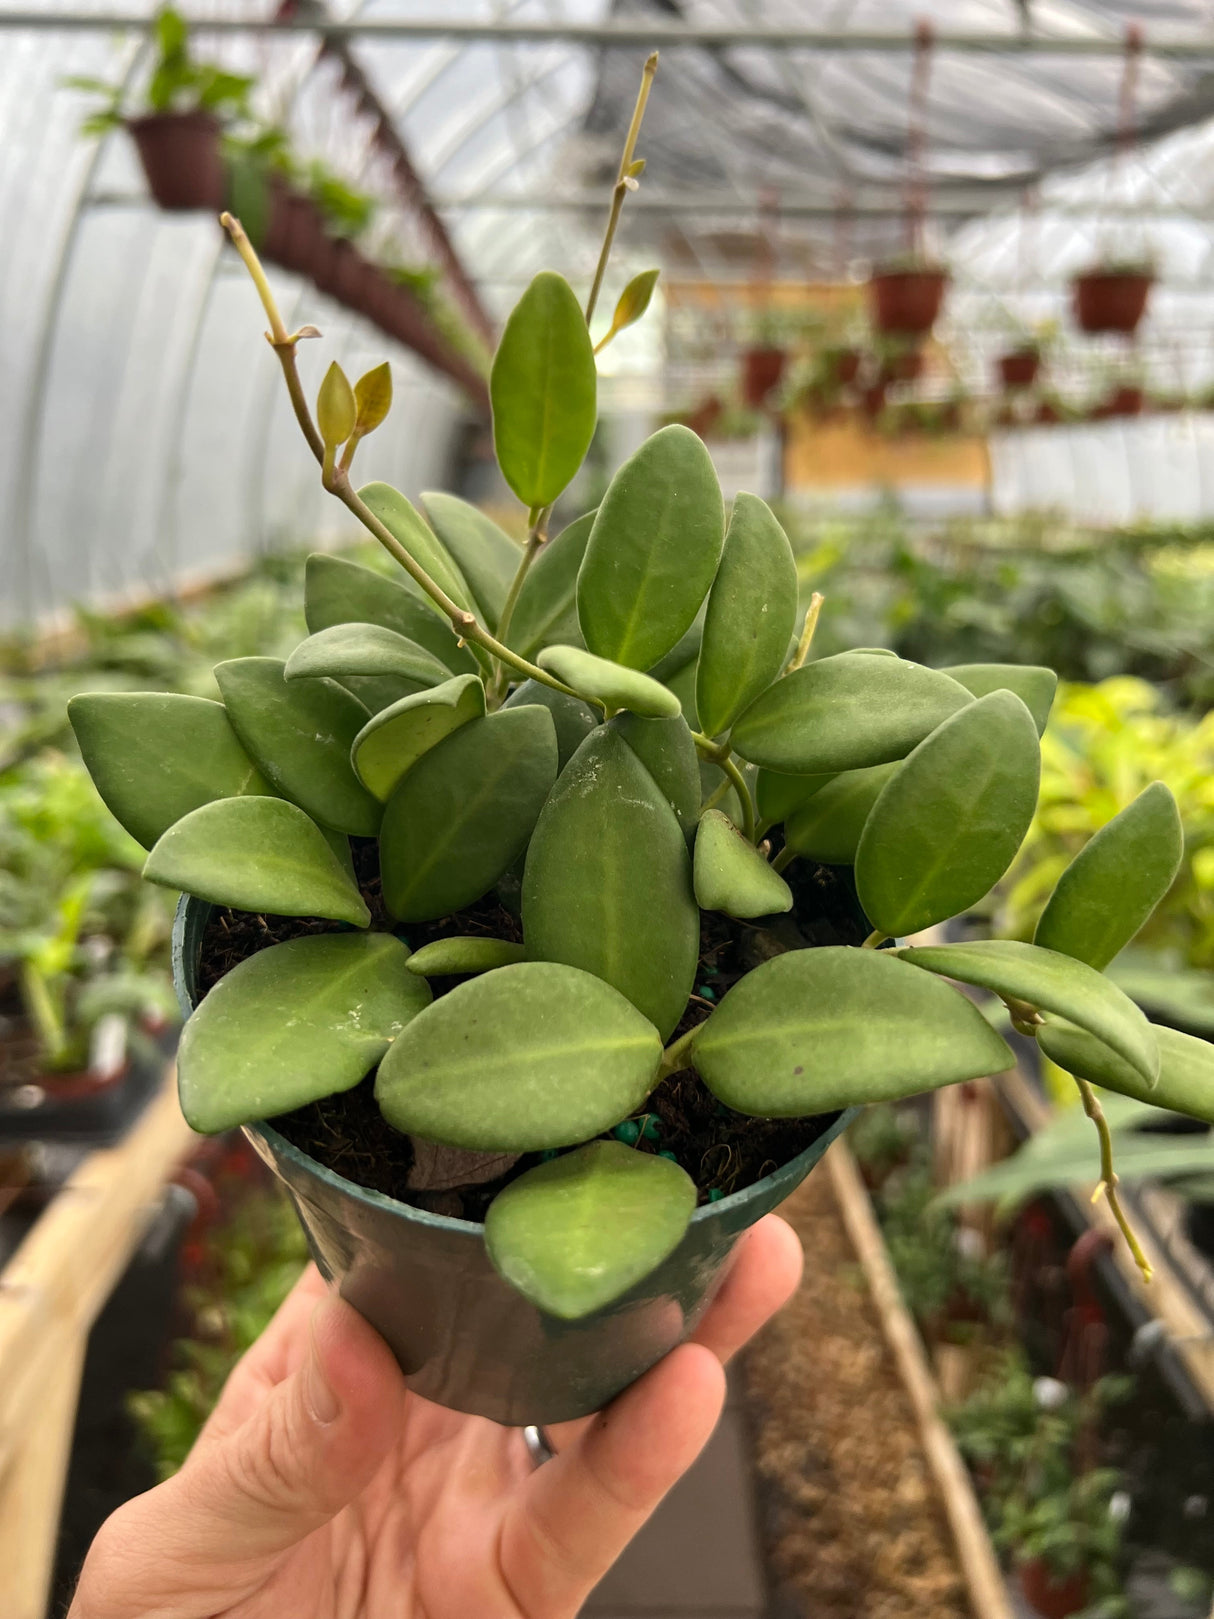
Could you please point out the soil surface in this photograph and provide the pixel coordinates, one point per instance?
(852, 1524)
(721, 1150)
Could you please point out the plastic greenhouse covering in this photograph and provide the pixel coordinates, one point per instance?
(145, 440)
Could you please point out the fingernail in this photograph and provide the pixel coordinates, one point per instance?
(322, 1403)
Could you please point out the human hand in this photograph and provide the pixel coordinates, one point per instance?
(321, 1489)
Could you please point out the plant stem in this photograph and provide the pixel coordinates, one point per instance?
(672, 1057)
(807, 632)
(784, 859)
(721, 792)
(743, 792)
(620, 190)
(536, 538)
(1108, 1175)
(875, 938)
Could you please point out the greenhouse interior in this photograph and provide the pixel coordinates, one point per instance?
(605, 997)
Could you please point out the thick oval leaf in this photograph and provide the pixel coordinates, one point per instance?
(731, 875)
(683, 684)
(828, 825)
(777, 795)
(528, 1057)
(543, 391)
(1034, 685)
(576, 1233)
(293, 1023)
(363, 649)
(1052, 983)
(948, 823)
(337, 591)
(1186, 1066)
(546, 610)
(752, 611)
(406, 526)
(844, 713)
(257, 854)
(1115, 881)
(666, 749)
(300, 733)
(464, 812)
(377, 692)
(395, 739)
(611, 684)
(607, 886)
(815, 1030)
(632, 302)
(485, 554)
(653, 550)
(464, 953)
(574, 720)
(686, 650)
(155, 756)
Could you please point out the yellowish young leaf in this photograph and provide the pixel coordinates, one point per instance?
(373, 398)
(336, 410)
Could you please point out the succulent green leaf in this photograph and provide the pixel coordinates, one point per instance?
(653, 550)
(546, 610)
(407, 527)
(576, 1233)
(155, 756)
(293, 1023)
(543, 391)
(337, 591)
(731, 875)
(257, 854)
(752, 611)
(464, 812)
(845, 712)
(1051, 983)
(683, 684)
(573, 719)
(1115, 881)
(364, 649)
(827, 826)
(686, 650)
(485, 554)
(948, 823)
(666, 749)
(607, 885)
(464, 953)
(300, 733)
(815, 1030)
(612, 684)
(1034, 685)
(1186, 1066)
(377, 692)
(394, 740)
(523, 1058)
(778, 795)
(633, 301)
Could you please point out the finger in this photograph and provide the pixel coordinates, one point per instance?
(577, 1513)
(278, 1351)
(311, 1447)
(763, 1277)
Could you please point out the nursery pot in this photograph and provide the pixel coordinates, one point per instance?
(1111, 300)
(463, 1337)
(762, 369)
(1050, 1596)
(906, 301)
(181, 159)
(906, 366)
(847, 366)
(295, 237)
(1123, 401)
(1019, 368)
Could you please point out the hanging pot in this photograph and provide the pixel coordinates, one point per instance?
(1019, 368)
(463, 1337)
(340, 273)
(872, 400)
(846, 366)
(181, 159)
(1111, 300)
(762, 368)
(1050, 1596)
(906, 365)
(906, 301)
(1126, 400)
(295, 236)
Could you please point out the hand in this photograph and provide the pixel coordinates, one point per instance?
(320, 1489)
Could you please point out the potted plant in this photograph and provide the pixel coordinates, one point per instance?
(177, 131)
(608, 1027)
(898, 359)
(1018, 367)
(1112, 296)
(905, 296)
(346, 214)
(763, 361)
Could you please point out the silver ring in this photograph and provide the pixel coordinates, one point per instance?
(538, 1446)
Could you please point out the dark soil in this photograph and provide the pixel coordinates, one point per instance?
(721, 1150)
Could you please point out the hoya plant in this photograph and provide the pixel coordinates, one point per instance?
(614, 739)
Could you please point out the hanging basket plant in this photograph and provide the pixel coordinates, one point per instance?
(1112, 298)
(762, 369)
(900, 362)
(181, 159)
(1018, 368)
(906, 299)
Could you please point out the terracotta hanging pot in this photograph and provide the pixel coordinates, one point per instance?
(295, 237)
(872, 400)
(1111, 300)
(181, 159)
(906, 301)
(762, 368)
(1126, 400)
(847, 366)
(340, 273)
(1050, 1596)
(1019, 367)
(904, 366)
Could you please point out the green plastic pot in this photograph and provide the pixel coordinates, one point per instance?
(463, 1337)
